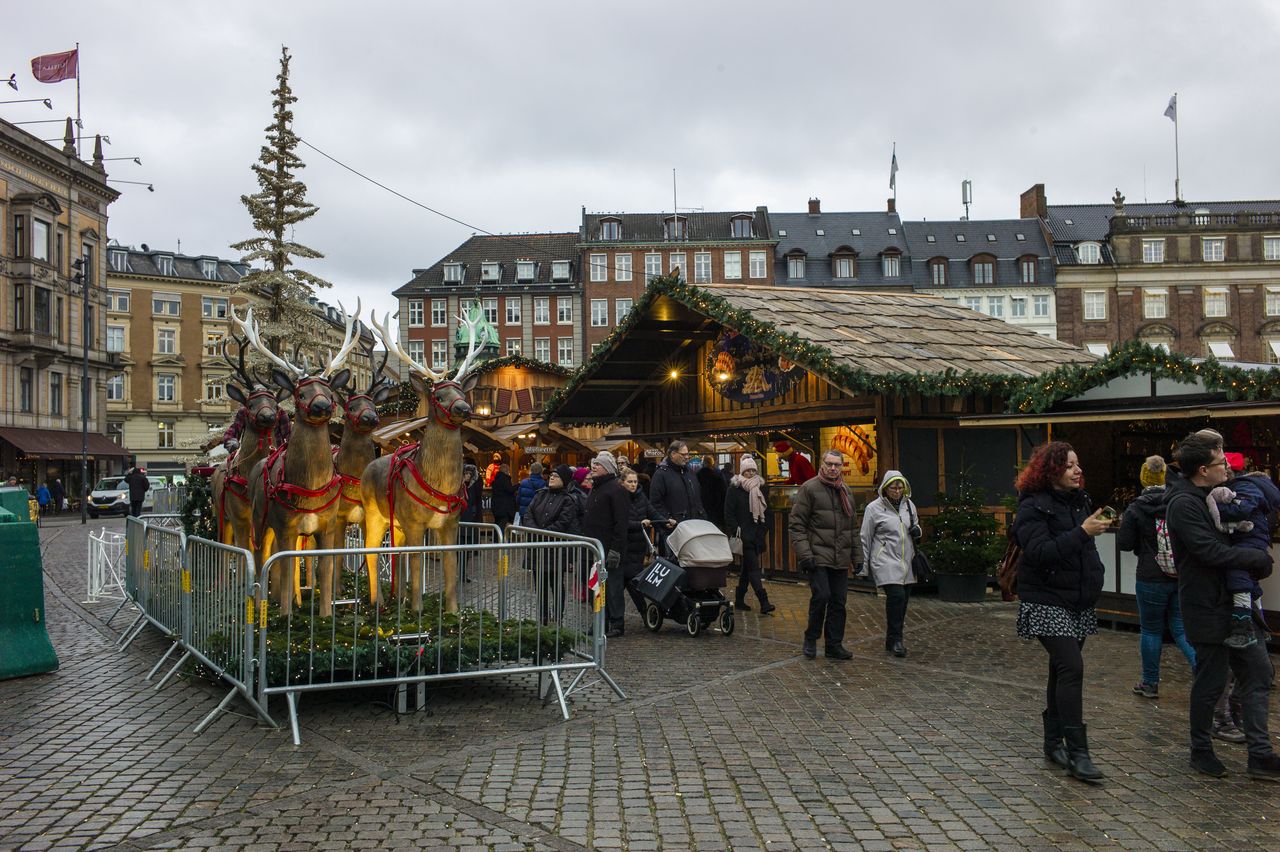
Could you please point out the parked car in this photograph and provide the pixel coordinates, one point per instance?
(110, 496)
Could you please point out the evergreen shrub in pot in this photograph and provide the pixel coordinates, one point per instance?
(964, 544)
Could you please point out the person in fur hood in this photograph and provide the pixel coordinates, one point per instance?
(890, 530)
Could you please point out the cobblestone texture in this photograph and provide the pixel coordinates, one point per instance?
(733, 742)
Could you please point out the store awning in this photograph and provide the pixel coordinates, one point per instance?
(60, 444)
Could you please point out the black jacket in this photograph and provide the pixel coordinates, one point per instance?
(608, 510)
(1138, 533)
(641, 509)
(502, 497)
(139, 485)
(1060, 565)
(674, 492)
(1202, 554)
(474, 513)
(554, 510)
(737, 515)
(712, 488)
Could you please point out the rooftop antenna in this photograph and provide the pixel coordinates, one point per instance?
(675, 208)
(966, 196)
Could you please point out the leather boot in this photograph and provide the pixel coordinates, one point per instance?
(1079, 763)
(1054, 750)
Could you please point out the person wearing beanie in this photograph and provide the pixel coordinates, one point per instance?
(674, 490)
(746, 514)
(608, 511)
(606, 460)
(800, 468)
(1143, 532)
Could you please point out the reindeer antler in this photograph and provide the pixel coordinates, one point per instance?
(250, 329)
(390, 341)
(472, 325)
(376, 379)
(238, 369)
(348, 341)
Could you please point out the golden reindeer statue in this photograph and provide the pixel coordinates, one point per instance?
(296, 490)
(419, 487)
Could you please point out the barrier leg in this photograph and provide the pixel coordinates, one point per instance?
(222, 705)
(116, 611)
(292, 699)
(141, 622)
(613, 684)
(160, 662)
(564, 705)
(173, 671)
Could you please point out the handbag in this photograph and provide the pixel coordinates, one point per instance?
(1007, 573)
(735, 543)
(920, 565)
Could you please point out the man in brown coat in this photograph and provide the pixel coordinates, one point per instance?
(824, 533)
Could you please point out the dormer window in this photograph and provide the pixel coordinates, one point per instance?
(490, 272)
(1089, 253)
(524, 271)
(795, 266)
(984, 269)
(675, 228)
(119, 259)
(891, 264)
(559, 270)
(453, 273)
(610, 229)
(844, 263)
(740, 227)
(209, 269)
(164, 264)
(938, 272)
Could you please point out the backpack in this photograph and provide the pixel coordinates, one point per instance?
(1164, 548)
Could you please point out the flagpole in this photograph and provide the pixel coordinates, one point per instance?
(79, 123)
(1177, 168)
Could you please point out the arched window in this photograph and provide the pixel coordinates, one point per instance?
(740, 227)
(891, 263)
(983, 267)
(795, 265)
(1089, 252)
(611, 228)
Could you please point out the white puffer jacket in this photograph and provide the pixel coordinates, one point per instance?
(886, 535)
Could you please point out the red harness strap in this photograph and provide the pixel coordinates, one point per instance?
(400, 460)
(280, 490)
(348, 481)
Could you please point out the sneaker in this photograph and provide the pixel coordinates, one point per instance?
(1147, 690)
(1225, 730)
(1265, 768)
(1242, 634)
(1207, 763)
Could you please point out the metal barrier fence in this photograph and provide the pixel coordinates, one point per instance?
(104, 569)
(168, 501)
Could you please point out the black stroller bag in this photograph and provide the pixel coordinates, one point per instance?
(661, 582)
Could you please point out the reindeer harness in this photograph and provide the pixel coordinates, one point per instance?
(234, 482)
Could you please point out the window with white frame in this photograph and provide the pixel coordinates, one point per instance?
(973, 303)
(622, 267)
(757, 261)
(1089, 253)
(513, 311)
(115, 387)
(1095, 304)
(1271, 248)
(1028, 269)
(1040, 306)
(452, 273)
(525, 271)
(1153, 250)
(118, 300)
(652, 266)
(439, 313)
(564, 351)
(115, 338)
(416, 350)
(513, 346)
(599, 267)
(795, 267)
(439, 354)
(119, 259)
(164, 264)
(164, 434)
(733, 266)
(676, 263)
(1018, 307)
(213, 307)
(702, 266)
(610, 229)
(891, 265)
(1272, 306)
(166, 387)
(674, 228)
(995, 306)
(541, 310)
(1155, 303)
(415, 313)
(559, 271)
(984, 272)
(1213, 249)
(621, 307)
(844, 266)
(491, 311)
(209, 268)
(166, 304)
(938, 273)
(1098, 348)
(490, 272)
(1215, 301)
(215, 388)
(740, 227)
(212, 344)
(542, 348)
(599, 312)
(564, 310)
(167, 341)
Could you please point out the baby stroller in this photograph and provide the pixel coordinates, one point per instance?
(687, 590)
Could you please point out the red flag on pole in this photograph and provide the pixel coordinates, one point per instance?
(55, 67)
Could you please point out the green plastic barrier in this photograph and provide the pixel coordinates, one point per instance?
(15, 500)
(25, 648)
(7, 517)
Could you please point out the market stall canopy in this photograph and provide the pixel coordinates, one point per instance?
(863, 342)
(55, 443)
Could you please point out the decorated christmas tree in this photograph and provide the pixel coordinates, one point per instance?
(964, 538)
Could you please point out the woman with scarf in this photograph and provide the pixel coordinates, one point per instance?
(823, 530)
(889, 535)
(746, 509)
(554, 509)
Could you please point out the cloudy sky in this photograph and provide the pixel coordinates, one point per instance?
(513, 116)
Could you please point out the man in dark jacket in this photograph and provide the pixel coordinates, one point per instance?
(674, 490)
(528, 489)
(139, 485)
(1202, 554)
(502, 497)
(608, 510)
(712, 488)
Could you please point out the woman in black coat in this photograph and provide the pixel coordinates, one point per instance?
(502, 497)
(746, 511)
(1059, 579)
(643, 518)
(554, 509)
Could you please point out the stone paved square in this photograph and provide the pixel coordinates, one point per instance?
(734, 742)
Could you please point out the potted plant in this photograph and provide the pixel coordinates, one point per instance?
(964, 544)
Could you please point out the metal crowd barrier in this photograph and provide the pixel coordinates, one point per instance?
(104, 571)
(168, 501)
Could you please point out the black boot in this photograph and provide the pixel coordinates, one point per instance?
(1054, 750)
(740, 603)
(1079, 764)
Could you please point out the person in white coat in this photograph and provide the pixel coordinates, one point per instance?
(890, 530)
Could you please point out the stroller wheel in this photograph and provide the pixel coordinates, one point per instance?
(694, 623)
(652, 617)
(726, 622)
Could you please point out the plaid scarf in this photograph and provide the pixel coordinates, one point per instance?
(836, 483)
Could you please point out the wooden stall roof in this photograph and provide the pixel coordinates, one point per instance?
(858, 340)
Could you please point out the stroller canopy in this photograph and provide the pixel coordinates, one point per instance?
(700, 544)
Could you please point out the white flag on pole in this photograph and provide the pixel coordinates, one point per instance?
(893, 169)
(1171, 111)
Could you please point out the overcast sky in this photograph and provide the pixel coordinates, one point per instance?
(512, 116)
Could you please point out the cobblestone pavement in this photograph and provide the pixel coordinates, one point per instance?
(734, 742)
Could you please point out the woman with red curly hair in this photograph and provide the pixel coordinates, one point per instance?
(1059, 580)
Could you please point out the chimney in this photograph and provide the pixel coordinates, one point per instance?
(893, 206)
(815, 207)
(1032, 204)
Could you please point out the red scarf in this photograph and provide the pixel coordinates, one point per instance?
(836, 483)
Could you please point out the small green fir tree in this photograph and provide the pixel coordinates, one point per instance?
(197, 510)
(964, 538)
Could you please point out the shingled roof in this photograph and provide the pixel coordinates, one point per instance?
(702, 226)
(1076, 222)
(505, 250)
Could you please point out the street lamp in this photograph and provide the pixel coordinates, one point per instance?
(86, 329)
(48, 103)
(149, 187)
(13, 82)
(137, 160)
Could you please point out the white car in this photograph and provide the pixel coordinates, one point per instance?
(111, 496)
